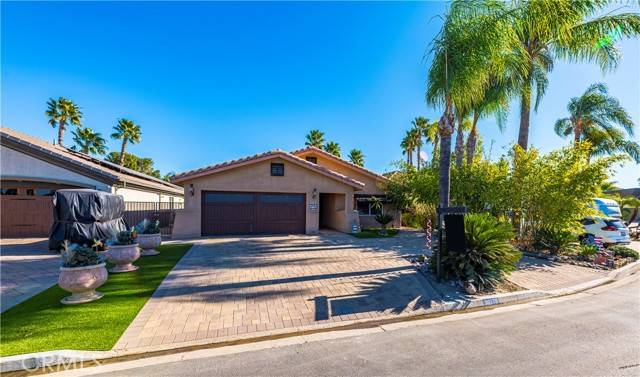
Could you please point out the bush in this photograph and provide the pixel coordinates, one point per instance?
(624, 252)
(587, 251)
(557, 241)
(383, 219)
(74, 255)
(489, 255)
(125, 237)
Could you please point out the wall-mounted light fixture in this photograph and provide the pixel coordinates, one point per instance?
(314, 193)
(192, 191)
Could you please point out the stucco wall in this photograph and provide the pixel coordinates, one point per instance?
(17, 165)
(371, 184)
(369, 221)
(257, 178)
(334, 212)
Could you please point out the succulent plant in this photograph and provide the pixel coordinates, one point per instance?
(74, 255)
(125, 237)
(148, 227)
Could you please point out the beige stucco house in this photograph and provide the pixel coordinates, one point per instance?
(279, 192)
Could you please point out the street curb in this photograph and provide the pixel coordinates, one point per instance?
(34, 361)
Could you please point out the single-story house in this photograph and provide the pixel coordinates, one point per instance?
(31, 170)
(279, 192)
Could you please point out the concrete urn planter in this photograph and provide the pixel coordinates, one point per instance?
(123, 257)
(148, 243)
(82, 283)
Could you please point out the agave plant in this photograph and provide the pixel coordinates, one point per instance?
(148, 227)
(74, 255)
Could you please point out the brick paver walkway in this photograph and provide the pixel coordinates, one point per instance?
(226, 287)
(27, 267)
(544, 275)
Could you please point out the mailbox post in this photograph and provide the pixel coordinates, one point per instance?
(455, 233)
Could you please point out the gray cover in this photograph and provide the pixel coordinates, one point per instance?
(82, 215)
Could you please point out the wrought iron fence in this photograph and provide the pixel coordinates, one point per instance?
(135, 212)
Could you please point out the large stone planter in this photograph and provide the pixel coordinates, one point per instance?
(148, 243)
(123, 257)
(82, 283)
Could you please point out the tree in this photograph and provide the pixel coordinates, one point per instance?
(141, 164)
(62, 112)
(315, 138)
(418, 129)
(560, 29)
(464, 125)
(467, 52)
(333, 148)
(356, 157)
(408, 146)
(598, 118)
(89, 142)
(432, 135)
(495, 102)
(128, 132)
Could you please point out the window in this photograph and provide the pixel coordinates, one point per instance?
(44, 192)
(9, 191)
(312, 159)
(271, 198)
(218, 197)
(277, 170)
(365, 207)
(30, 192)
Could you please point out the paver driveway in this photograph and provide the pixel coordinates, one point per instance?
(27, 267)
(227, 287)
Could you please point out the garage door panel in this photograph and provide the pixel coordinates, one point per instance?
(238, 213)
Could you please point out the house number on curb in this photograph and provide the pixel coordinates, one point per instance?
(313, 207)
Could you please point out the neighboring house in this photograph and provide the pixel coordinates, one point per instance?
(32, 170)
(279, 192)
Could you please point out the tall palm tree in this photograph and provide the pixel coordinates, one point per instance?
(128, 132)
(467, 52)
(597, 117)
(315, 138)
(356, 157)
(408, 146)
(333, 148)
(62, 112)
(464, 125)
(560, 29)
(418, 126)
(89, 142)
(432, 135)
(494, 102)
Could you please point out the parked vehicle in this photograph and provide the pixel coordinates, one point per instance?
(610, 229)
(608, 207)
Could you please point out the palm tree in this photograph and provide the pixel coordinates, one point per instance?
(408, 146)
(418, 126)
(464, 125)
(128, 132)
(356, 157)
(599, 118)
(62, 112)
(467, 52)
(495, 102)
(89, 142)
(560, 29)
(315, 138)
(333, 148)
(432, 135)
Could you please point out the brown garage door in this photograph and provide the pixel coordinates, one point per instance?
(252, 212)
(26, 216)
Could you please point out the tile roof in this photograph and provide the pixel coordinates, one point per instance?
(108, 170)
(343, 161)
(261, 157)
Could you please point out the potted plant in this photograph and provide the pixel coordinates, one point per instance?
(149, 237)
(123, 251)
(82, 271)
(383, 219)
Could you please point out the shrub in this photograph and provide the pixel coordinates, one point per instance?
(148, 227)
(489, 255)
(557, 241)
(587, 251)
(383, 219)
(125, 237)
(624, 252)
(74, 255)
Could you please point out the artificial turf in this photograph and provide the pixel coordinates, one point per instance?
(374, 233)
(42, 323)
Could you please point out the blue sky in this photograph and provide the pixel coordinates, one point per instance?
(210, 82)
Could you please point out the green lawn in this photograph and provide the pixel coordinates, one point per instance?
(374, 233)
(42, 323)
